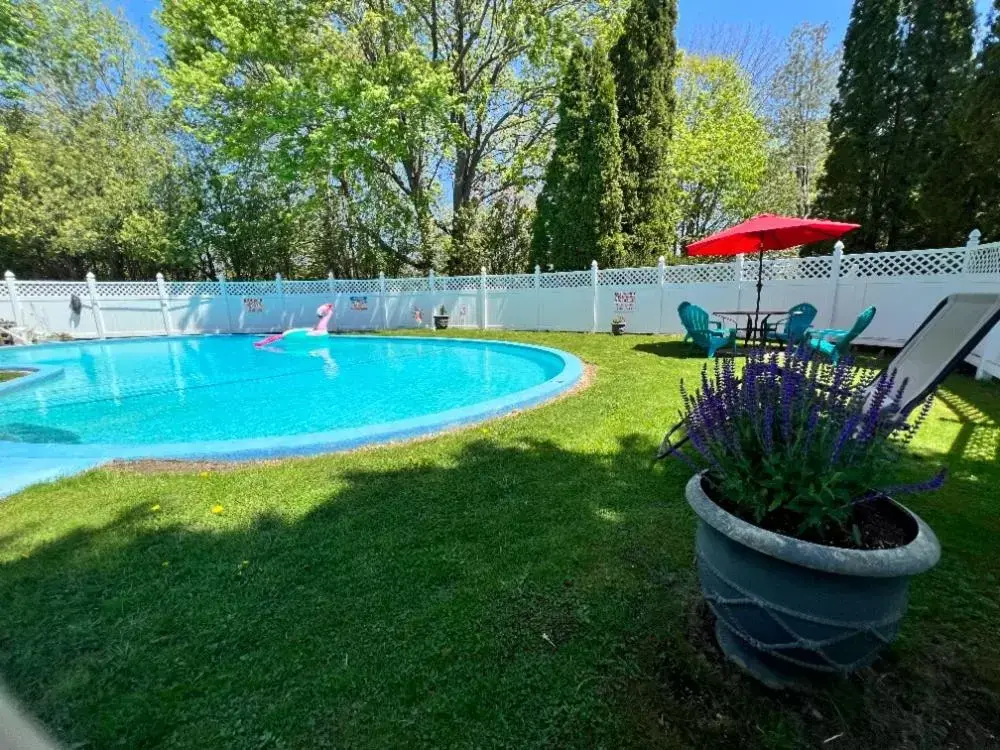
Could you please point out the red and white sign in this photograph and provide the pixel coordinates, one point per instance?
(625, 301)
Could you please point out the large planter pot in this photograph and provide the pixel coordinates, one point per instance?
(790, 612)
(440, 322)
(617, 329)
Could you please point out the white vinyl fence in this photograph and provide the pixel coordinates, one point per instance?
(904, 286)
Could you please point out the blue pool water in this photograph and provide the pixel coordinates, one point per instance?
(202, 396)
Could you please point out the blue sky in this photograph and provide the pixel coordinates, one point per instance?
(698, 18)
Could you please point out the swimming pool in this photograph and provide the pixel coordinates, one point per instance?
(197, 397)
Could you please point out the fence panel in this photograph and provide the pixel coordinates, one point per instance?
(569, 309)
(516, 309)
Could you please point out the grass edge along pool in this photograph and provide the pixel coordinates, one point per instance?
(309, 443)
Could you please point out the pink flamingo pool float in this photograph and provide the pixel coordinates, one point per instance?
(325, 312)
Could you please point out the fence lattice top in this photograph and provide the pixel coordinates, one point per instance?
(903, 263)
(985, 259)
(981, 259)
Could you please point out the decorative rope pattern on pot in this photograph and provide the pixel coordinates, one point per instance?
(720, 608)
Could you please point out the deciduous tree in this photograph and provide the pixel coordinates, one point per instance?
(414, 112)
(718, 155)
(86, 145)
(801, 92)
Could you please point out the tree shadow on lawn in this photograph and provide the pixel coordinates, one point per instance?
(676, 349)
(477, 599)
(506, 594)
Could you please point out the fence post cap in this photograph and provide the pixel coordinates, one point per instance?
(90, 276)
(838, 247)
(277, 277)
(661, 261)
(974, 237)
(538, 268)
(9, 275)
(159, 276)
(221, 275)
(482, 270)
(593, 264)
(381, 274)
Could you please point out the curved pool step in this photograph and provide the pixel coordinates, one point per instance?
(19, 473)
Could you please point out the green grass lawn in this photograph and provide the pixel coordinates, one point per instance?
(523, 583)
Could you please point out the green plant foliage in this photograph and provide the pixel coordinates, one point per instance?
(800, 96)
(85, 146)
(937, 67)
(14, 37)
(864, 122)
(497, 239)
(580, 208)
(719, 152)
(797, 446)
(962, 189)
(402, 595)
(643, 60)
(388, 104)
(905, 66)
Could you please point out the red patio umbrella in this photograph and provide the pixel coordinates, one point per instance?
(768, 232)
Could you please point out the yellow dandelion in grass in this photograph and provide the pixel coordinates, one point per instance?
(203, 474)
(217, 509)
(155, 508)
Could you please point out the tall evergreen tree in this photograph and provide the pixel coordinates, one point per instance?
(643, 60)
(905, 66)
(961, 186)
(865, 122)
(580, 208)
(936, 68)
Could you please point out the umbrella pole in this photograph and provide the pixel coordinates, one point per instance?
(760, 285)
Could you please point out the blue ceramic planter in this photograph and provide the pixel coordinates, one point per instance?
(789, 611)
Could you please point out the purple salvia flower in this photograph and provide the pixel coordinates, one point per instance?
(700, 442)
(788, 382)
(928, 485)
(767, 428)
(846, 433)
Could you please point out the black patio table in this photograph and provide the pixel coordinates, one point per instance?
(756, 322)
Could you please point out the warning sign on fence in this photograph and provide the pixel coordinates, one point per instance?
(624, 301)
(359, 303)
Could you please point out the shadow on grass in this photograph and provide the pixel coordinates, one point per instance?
(671, 349)
(477, 599)
(978, 438)
(511, 593)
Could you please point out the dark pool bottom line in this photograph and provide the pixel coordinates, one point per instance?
(25, 464)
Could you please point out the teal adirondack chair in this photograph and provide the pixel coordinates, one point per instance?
(799, 318)
(680, 311)
(836, 342)
(705, 333)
